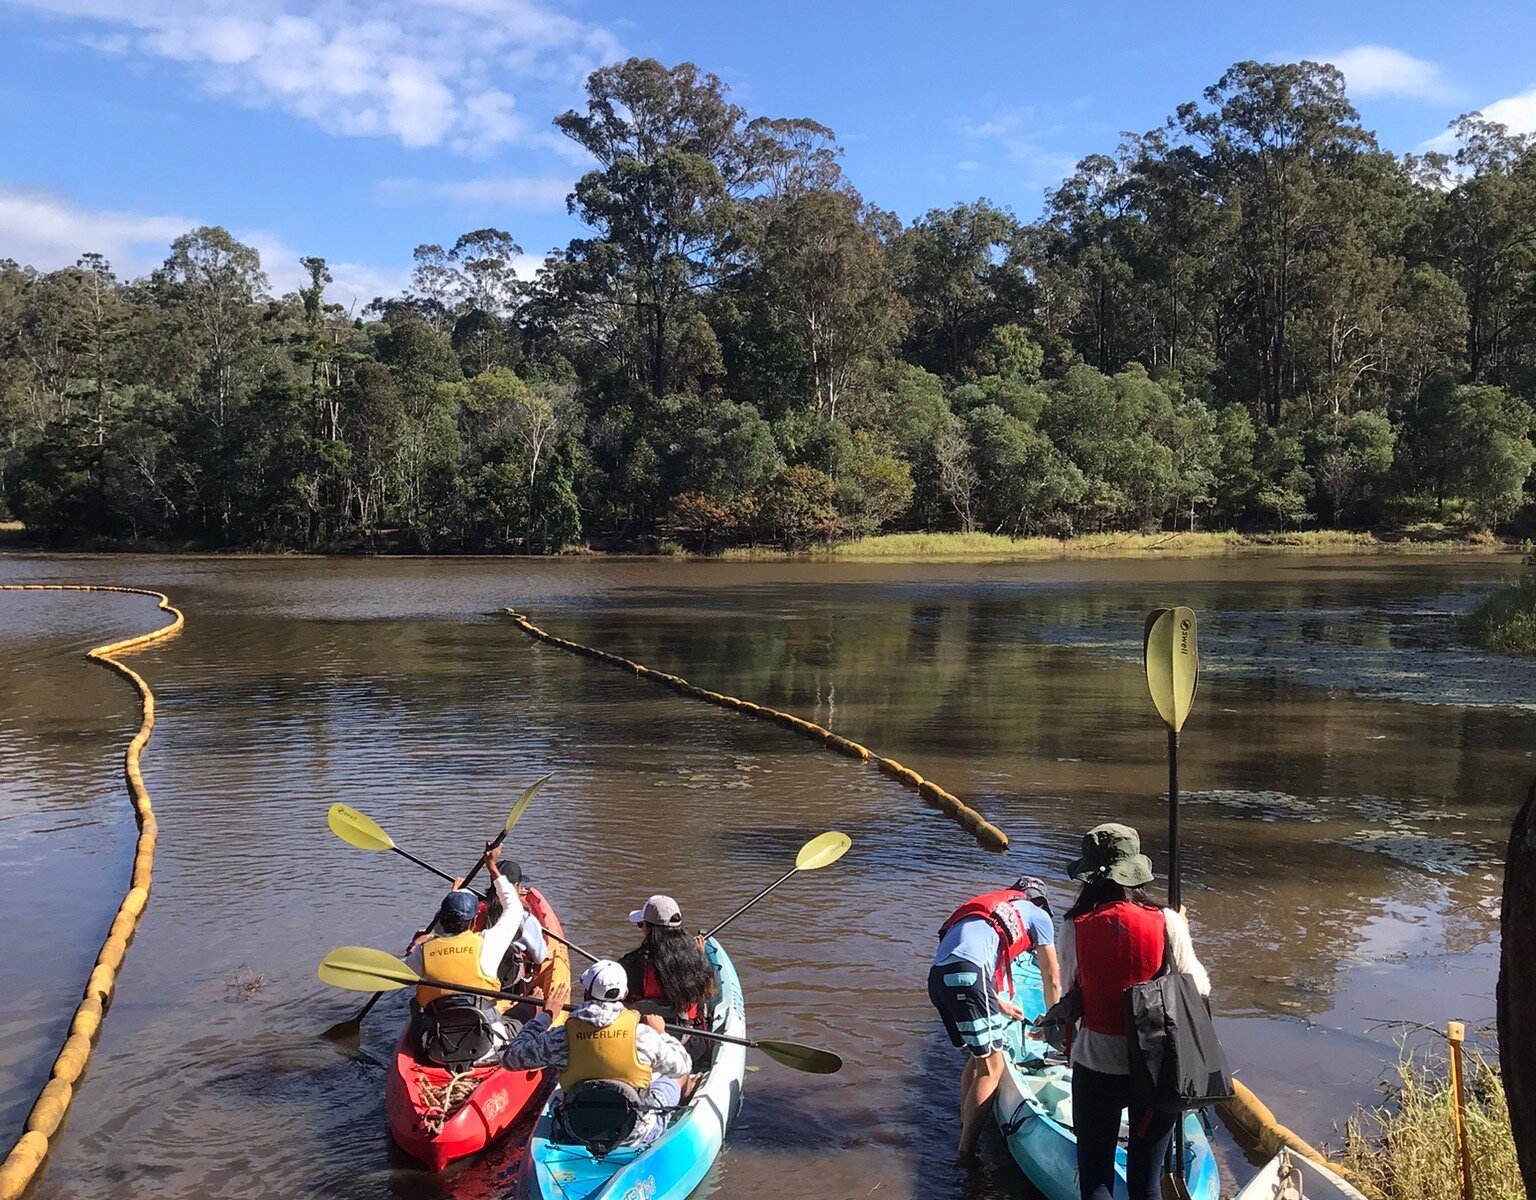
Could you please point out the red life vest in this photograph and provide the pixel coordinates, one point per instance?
(1118, 946)
(651, 989)
(997, 909)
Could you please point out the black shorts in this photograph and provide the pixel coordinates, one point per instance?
(964, 997)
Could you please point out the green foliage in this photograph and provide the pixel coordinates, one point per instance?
(1252, 318)
(1506, 620)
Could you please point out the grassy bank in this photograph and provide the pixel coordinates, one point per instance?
(960, 547)
(1506, 621)
(1407, 1149)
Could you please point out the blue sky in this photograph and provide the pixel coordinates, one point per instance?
(356, 129)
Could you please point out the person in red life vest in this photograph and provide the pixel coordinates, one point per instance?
(971, 985)
(1113, 937)
(669, 966)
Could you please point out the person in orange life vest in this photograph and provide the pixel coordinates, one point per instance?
(604, 1040)
(458, 953)
(1113, 937)
(669, 965)
(971, 985)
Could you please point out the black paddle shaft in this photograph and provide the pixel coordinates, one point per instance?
(1174, 888)
(751, 902)
(677, 1030)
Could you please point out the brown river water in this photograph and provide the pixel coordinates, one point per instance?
(1351, 770)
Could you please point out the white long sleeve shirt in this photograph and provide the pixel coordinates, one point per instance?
(1107, 1052)
(515, 926)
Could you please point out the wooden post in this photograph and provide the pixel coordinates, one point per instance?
(1456, 1034)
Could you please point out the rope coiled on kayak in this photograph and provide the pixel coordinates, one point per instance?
(988, 834)
(25, 1160)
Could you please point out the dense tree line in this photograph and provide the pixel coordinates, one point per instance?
(1251, 317)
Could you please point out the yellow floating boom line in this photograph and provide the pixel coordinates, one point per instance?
(988, 834)
(25, 1160)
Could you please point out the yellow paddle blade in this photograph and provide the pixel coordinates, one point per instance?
(1172, 660)
(357, 830)
(361, 969)
(524, 801)
(822, 851)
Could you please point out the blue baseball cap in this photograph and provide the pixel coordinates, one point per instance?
(459, 907)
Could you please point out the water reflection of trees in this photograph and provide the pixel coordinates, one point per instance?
(1380, 811)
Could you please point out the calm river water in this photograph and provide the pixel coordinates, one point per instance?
(1352, 770)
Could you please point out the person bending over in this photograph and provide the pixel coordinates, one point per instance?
(971, 985)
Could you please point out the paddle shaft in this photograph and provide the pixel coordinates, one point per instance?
(570, 945)
(1175, 1166)
(1174, 887)
(677, 1030)
(751, 902)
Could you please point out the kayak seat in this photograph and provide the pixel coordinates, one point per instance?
(458, 1032)
(598, 1114)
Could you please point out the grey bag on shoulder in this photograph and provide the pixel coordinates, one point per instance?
(1177, 1063)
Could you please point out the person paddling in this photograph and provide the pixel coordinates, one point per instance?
(606, 1049)
(971, 985)
(452, 1028)
(669, 965)
(527, 964)
(1114, 937)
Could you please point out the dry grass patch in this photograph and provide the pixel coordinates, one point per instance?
(1407, 1148)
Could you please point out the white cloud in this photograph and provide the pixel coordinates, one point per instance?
(1517, 112)
(1385, 71)
(48, 231)
(503, 191)
(426, 72)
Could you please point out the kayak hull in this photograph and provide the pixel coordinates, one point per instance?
(502, 1099)
(1034, 1105)
(675, 1164)
(1318, 1182)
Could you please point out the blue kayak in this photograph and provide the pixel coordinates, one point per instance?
(1034, 1111)
(673, 1165)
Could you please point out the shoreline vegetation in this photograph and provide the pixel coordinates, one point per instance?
(916, 547)
(1251, 317)
(1406, 1149)
(1505, 622)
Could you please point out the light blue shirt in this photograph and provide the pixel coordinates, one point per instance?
(975, 940)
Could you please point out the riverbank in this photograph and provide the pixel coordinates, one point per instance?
(1506, 621)
(1407, 1149)
(891, 547)
(960, 547)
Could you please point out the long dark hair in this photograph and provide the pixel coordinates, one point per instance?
(1106, 891)
(680, 966)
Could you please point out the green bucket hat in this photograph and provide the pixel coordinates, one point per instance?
(1112, 852)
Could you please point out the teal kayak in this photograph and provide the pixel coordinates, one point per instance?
(673, 1165)
(1034, 1111)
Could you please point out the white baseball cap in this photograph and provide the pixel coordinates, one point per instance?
(658, 910)
(606, 981)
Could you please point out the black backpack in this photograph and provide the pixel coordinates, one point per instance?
(1177, 1063)
(458, 1031)
(598, 1114)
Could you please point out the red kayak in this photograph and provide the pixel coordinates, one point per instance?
(501, 1099)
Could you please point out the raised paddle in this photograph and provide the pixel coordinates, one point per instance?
(358, 830)
(346, 1031)
(821, 851)
(1171, 656)
(359, 968)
